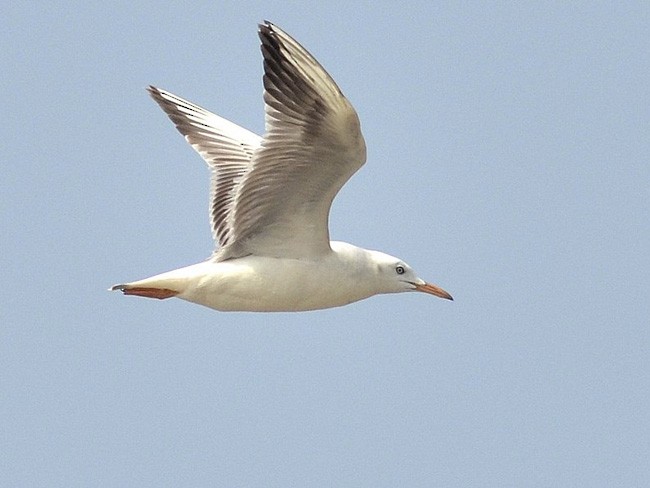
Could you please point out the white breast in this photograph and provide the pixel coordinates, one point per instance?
(265, 284)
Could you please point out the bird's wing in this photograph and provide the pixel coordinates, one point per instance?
(312, 146)
(226, 147)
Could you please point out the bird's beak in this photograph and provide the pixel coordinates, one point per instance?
(432, 290)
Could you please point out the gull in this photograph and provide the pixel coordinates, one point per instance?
(271, 197)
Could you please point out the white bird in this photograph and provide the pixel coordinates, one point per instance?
(271, 197)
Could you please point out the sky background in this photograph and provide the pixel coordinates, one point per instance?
(508, 162)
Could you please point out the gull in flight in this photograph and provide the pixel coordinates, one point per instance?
(271, 197)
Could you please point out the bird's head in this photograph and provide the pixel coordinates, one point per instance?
(396, 276)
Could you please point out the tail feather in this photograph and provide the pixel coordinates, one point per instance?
(143, 291)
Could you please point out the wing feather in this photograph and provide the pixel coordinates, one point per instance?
(226, 148)
(312, 146)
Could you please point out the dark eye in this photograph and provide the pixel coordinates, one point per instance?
(399, 269)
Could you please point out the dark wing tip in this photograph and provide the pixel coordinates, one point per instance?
(155, 93)
(267, 33)
(170, 104)
(266, 25)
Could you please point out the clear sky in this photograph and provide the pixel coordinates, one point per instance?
(508, 162)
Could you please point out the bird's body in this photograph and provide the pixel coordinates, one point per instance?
(262, 284)
(271, 196)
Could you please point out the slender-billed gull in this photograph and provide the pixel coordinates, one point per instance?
(271, 197)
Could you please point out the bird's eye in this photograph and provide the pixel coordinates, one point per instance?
(399, 269)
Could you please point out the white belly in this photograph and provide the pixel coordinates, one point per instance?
(261, 284)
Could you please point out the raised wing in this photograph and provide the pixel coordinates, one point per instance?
(226, 147)
(313, 144)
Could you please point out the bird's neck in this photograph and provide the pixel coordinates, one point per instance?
(357, 263)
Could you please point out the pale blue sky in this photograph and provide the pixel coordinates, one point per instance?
(508, 162)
